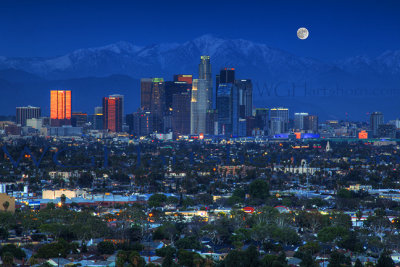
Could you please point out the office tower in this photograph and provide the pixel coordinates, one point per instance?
(181, 105)
(123, 105)
(98, 118)
(60, 107)
(98, 121)
(250, 127)
(299, 120)
(98, 110)
(245, 88)
(112, 113)
(228, 109)
(212, 122)
(140, 123)
(176, 87)
(188, 78)
(153, 100)
(226, 75)
(279, 115)
(387, 130)
(205, 74)
(24, 113)
(311, 123)
(261, 120)
(198, 106)
(376, 119)
(79, 119)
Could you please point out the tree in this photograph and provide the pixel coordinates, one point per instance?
(358, 263)
(63, 198)
(16, 252)
(385, 260)
(157, 200)
(106, 247)
(338, 260)
(3, 233)
(136, 260)
(85, 180)
(259, 189)
(6, 204)
(8, 259)
(307, 261)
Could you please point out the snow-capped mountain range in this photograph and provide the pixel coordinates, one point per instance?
(253, 60)
(116, 68)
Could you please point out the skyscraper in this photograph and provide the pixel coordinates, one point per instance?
(198, 107)
(112, 113)
(228, 109)
(299, 120)
(279, 115)
(205, 74)
(60, 107)
(153, 100)
(311, 123)
(376, 119)
(226, 75)
(188, 78)
(181, 111)
(79, 119)
(123, 104)
(24, 113)
(245, 88)
(261, 120)
(175, 87)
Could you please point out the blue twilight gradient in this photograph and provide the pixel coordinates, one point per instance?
(338, 29)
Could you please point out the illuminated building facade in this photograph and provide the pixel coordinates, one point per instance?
(198, 107)
(60, 107)
(112, 113)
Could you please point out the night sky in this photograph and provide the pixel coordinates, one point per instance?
(338, 29)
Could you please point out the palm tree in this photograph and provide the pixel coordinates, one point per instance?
(6, 204)
(63, 199)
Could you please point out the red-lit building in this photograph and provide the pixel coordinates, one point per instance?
(60, 107)
(112, 113)
(188, 78)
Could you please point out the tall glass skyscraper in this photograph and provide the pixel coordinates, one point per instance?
(199, 106)
(205, 74)
(228, 109)
(245, 88)
(60, 107)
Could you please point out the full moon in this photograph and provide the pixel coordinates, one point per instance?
(302, 33)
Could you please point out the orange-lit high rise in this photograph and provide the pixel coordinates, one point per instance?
(60, 107)
(112, 113)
